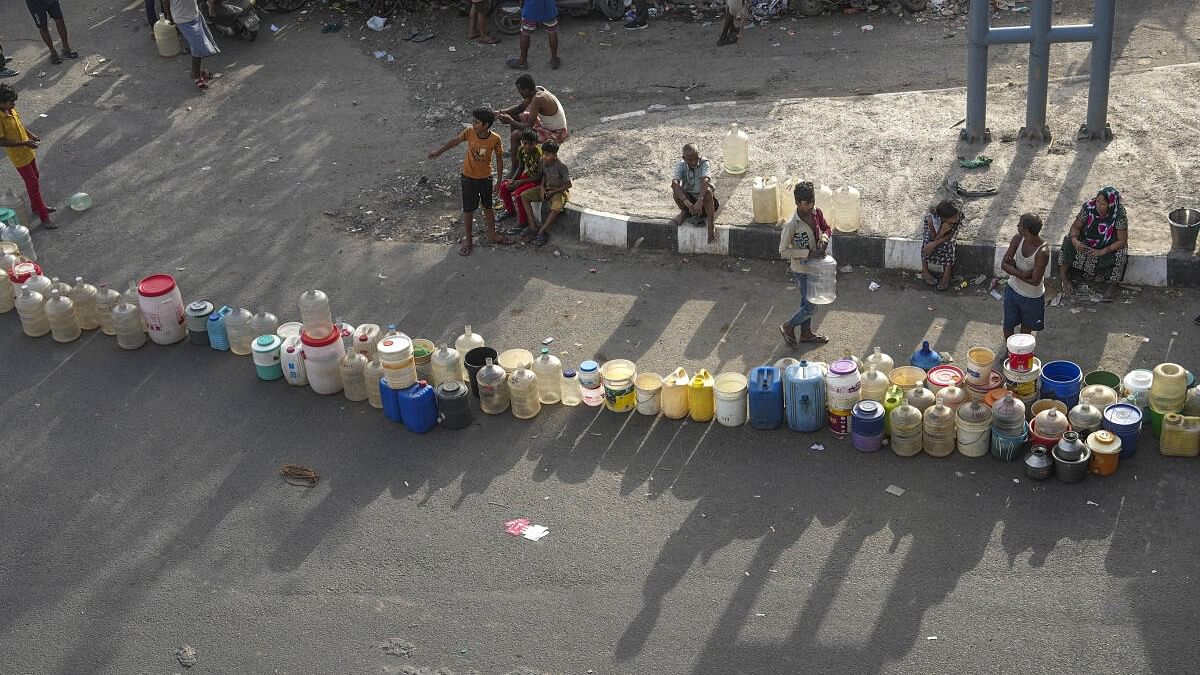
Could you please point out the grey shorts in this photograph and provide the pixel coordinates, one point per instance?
(43, 11)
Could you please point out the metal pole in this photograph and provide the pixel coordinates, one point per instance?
(977, 61)
(1096, 126)
(1035, 128)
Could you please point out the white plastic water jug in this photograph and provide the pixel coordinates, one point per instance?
(736, 147)
(764, 198)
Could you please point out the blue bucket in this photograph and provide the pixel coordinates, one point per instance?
(1007, 448)
(1124, 420)
(1061, 381)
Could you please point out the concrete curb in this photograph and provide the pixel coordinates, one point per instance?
(762, 241)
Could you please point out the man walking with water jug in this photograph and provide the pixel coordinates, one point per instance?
(20, 144)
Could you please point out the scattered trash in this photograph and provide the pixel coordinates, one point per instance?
(376, 23)
(817, 447)
(206, 168)
(593, 270)
(1057, 300)
(547, 341)
(273, 159)
(867, 27)
(1016, 480)
(873, 286)
(298, 475)
(42, 115)
(1092, 503)
(996, 294)
(382, 275)
(846, 269)
(980, 279)
(331, 27)
(931, 637)
(895, 490)
(187, 656)
(397, 647)
(520, 527)
(380, 54)
(979, 161)
(275, 29)
(452, 49)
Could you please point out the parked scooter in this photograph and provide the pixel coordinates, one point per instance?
(506, 14)
(235, 17)
(819, 7)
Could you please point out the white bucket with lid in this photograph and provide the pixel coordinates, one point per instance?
(396, 356)
(731, 394)
(323, 361)
(162, 308)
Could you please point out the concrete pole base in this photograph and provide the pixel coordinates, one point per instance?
(1035, 134)
(1104, 134)
(970, 136)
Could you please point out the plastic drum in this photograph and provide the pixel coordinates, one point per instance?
(323, 361)
(162, 308)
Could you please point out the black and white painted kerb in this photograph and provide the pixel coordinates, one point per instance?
(762, 242)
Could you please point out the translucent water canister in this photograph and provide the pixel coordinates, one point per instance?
(31, 309)
(129, 326)
(322, 361)
(445, 365)
(372, 375)
(883, 363)
(938, 437)
(764, 200)
(548, 368)
(1168, 388)
(822, 280)
(736, 147)
(166, 38)
(824, 199)
(466, 342)
(161, 304)
(907, 430)
(83, 295)
(19, 235)
(919, 397)
(315, 313)
(365, 339)
(1008, 416)
(492, 380)
(264, 323)
(569, 389)
(874, 384)
(523, 392)
(675, 394)
(241, 333)
(60, 313)
(354, 385)
(847, 209)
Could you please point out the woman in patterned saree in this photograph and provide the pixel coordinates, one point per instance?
(1095, 248)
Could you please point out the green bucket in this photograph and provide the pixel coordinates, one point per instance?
(1105, 377)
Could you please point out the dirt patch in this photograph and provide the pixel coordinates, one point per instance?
(900, 149)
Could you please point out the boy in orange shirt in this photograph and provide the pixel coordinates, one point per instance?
(20, 144)
(484, 148)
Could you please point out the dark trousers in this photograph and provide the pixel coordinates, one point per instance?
(151, 12)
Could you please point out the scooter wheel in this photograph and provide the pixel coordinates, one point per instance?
(252, 35)
(506, 17)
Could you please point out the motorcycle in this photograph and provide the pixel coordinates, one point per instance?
(506, 14)
(819, 7)
(235, 17)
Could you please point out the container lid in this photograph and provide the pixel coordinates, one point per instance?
(394, 345)
(974, 412)
(1021, 343)
(868, 410)
(1051, 422)
(21, 271)
(310, 341)
(1104, 442)
(199, 308)
(569, 372)
(267, 343)
(289, 329)
(1123, 413)
(944, 376)
(842, 367)
(589, 366)
(450, 386)
(156, 285)
(1138, 379)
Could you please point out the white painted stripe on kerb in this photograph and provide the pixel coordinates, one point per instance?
(606, 229)
(694, 239)
(623, 116)
(901, 254)
(1146, 270)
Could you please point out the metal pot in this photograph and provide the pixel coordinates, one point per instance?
(1038, 465)
(1071, 471)
(1070, 448)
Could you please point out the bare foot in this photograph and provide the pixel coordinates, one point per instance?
(465, 249)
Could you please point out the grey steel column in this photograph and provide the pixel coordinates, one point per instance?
(1096, 126)
(1035, 128)
(977, 62)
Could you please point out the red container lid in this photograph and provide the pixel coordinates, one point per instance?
(21, 271)
(944, 376)
(310, 341)
(156, 285)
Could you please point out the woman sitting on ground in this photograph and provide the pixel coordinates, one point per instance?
(937, 239)
(1096, 246)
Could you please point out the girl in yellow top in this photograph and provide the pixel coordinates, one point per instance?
(20, 144)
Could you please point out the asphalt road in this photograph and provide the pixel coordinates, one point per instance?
(143, 509)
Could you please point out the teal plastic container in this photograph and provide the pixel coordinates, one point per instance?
(265, 351)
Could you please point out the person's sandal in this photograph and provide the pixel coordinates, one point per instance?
(55, 58)
(541, 239)
(789, 339)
